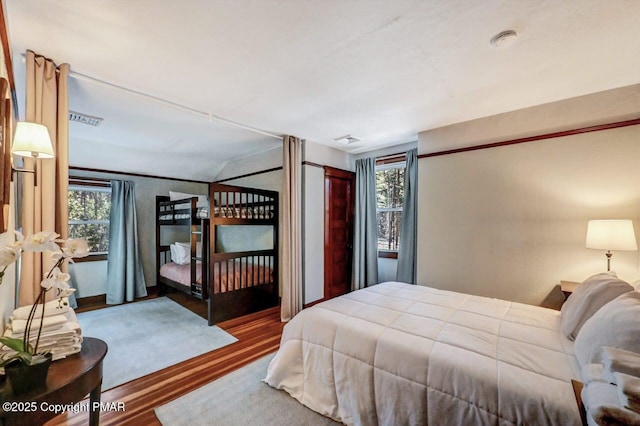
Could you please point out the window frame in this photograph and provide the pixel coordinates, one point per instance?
(96, 185)
(395, 162)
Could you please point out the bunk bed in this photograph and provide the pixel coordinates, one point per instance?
(233, 283)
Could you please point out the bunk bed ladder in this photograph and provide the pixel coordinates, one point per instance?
(199, 232)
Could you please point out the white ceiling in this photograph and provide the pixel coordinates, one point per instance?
(379, 70)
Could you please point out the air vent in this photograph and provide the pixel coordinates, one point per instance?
(84, 118)
(348, 139)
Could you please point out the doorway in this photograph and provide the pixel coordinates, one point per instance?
(338, 231)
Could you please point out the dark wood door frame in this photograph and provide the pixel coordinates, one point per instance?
(342, 174)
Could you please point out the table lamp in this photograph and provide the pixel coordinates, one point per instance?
(611, 235)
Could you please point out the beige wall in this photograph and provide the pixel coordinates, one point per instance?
(313, 223)
(263, 161)
(327, 156)
(510, 222)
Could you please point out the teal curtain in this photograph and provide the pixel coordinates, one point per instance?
(407, 265)
(365, 244)
(125, 277)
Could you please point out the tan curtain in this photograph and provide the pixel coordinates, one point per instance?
(44, 206)
(291, 229)
(5, 153)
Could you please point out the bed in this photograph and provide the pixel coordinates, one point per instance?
(396, 353)
(234, 282)
(226, 276)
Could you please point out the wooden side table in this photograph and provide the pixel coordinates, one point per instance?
(577, 392)
(68, 382)
(567, 288)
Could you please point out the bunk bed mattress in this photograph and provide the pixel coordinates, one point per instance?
(228, 212)
(396, 353)
(227, 276)
(201, 213)
(181, 273)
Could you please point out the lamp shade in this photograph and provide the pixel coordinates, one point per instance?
(32, 140)
(611, 235)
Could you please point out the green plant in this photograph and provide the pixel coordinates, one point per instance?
(26, 351)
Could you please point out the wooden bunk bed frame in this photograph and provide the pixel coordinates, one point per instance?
(232, 283)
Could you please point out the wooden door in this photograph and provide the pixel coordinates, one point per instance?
(338, 231)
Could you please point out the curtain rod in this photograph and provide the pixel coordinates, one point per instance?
(211, 117)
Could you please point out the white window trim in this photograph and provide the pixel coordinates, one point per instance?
(398, 165)
(89, 188)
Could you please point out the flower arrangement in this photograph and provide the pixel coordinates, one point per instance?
(55, 280)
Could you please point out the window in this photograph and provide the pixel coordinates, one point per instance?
(389, 199)
(89, 208)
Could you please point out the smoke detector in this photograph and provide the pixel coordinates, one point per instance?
(504, 39)
(348, 139)
(90, 120)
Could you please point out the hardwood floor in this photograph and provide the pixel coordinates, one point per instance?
(258, 335)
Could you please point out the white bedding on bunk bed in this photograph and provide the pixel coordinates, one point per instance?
(224, 212)
(201, 213)
(396, 353)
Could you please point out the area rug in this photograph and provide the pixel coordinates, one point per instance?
(239, 398)
(147, 336)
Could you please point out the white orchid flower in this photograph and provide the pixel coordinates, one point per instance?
(65, 292)
(8, 255)
(57, 280)
(75, 248)
(19, 239)
(41, 241)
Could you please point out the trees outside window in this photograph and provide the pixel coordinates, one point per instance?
(389, 197)
(89, 209)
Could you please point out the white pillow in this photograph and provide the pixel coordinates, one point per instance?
(636, 285)
(180, 254)
(187, 248)
(203, 200)
(615, 325)
(587, 298)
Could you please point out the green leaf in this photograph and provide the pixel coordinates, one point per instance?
(6, 359)
(26, 358)
(13, 343)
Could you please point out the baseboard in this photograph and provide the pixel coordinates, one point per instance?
(310, 304)
(100, 301)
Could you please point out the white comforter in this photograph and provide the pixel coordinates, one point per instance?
(402, 354)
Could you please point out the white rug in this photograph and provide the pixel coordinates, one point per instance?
(239, 398)
(144, 337)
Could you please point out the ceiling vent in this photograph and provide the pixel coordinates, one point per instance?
(348, 139)
(84, 118)
(504, 39)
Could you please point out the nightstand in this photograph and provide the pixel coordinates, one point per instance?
(567, 288)
(69, 380)
(577, 391)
